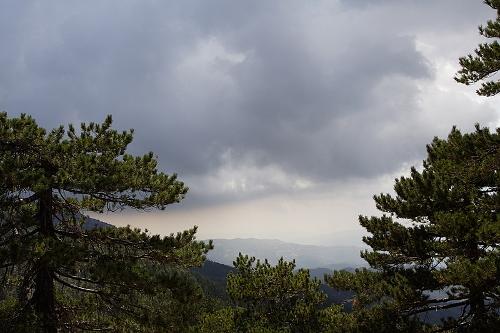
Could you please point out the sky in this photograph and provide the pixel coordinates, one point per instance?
(283, 118)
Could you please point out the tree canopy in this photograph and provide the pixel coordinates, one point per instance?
(69, 277)
(486, 61)
(436, 247)
(275, 297)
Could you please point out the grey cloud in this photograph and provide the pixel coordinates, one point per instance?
(297, 85)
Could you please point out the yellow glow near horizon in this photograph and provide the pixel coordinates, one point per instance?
(328, 217)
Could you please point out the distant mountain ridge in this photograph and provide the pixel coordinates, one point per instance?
(313, 257)
(305, 256)
(89, 223)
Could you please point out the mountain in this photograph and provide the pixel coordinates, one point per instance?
(214, 271)
(91, 223)
(306, 256)
(212, 277)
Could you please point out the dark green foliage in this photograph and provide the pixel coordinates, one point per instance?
(438, 246)
(376, 319)
(66, 276)
(376, 305)
(224, 320)
(274, 297)
(486, 61)
(220, 321)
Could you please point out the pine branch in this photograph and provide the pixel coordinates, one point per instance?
(437, 307)
(78, 278)
(73, 286)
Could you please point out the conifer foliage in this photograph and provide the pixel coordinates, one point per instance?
(275, 297)
(67, 277)
(485, 63)
(436, 247)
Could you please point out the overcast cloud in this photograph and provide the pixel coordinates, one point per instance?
(250, 98)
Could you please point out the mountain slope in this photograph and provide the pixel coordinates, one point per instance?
(306, 256)
(91, 223)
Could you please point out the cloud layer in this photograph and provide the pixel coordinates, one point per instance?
(244, 98)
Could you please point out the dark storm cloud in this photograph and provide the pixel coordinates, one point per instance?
(321, 90)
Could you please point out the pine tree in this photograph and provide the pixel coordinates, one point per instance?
(66, 276)
(274, 297)
(486, 61)
(436, 248)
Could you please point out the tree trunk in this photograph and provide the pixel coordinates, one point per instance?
(476, 296)
(43, 296)
(477, 307)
